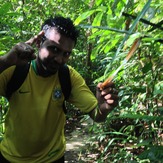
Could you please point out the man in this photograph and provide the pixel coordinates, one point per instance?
(34, 126)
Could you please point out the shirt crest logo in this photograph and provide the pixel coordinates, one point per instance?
(57, 94)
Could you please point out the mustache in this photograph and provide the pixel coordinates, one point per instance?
(53, 62)
(50, 63)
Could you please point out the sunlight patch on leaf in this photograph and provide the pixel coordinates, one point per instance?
(2, 52)
(98, 2)
(97, 21)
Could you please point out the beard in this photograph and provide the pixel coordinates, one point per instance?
(47, 67)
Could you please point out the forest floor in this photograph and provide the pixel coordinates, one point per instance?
(78, 140)
(81, 147)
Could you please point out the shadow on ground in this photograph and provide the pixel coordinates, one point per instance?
(77, 139)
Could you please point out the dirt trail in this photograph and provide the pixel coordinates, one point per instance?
(77, 141)
(75, 144)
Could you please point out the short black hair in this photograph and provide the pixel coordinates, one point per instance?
(64, 26)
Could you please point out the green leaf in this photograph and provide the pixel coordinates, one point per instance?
(158, 89)
(160, 111)
(97, 19)
(83, 16)
(141, 89)
(141, 14)
(132, 38)
(3, 32)
(153, 154)
(144, 117)
(5, 8)
(102, 8)
(98, 2)
(147, 67)
(2, 52)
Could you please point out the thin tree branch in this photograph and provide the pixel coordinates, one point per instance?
(104, 28)
(158, 25)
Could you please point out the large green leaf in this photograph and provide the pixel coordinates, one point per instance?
(97, 20)
(84, 16)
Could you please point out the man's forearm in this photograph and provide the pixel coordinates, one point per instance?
(5, 62)
(9, 59)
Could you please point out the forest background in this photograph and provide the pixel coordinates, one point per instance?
(133, 130)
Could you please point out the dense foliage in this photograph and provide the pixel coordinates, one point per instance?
(133, 131)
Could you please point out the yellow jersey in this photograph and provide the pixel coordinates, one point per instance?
(34, 124)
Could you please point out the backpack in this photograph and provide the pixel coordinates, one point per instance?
(21, 72)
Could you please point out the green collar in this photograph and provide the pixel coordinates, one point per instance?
(34, 66)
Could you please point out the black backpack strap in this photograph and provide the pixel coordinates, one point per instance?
(17, 79)
(20, 73)
(64, 78)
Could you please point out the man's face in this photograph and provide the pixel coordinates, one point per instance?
(55, 51)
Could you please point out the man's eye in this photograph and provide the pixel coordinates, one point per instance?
(66, 54)
(55, 49)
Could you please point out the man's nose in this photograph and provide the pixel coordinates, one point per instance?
(59, 58)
